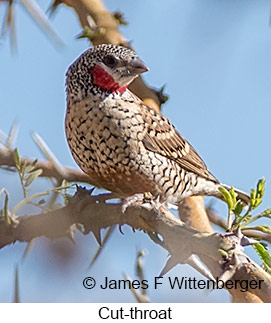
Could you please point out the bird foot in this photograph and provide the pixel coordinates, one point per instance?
(132, 200)
(152, 203)
(145, 199)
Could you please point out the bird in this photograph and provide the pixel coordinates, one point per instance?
(122, 144)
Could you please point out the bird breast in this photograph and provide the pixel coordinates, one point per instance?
(106, 141)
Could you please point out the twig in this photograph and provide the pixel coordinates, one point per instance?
(220, 221)
(70, 174)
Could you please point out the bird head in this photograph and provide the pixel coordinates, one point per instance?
(104, 68)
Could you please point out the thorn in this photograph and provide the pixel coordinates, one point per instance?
(227, 275)
(97, 234)
(71, 238)
(70, 234)
(91, 190)
(230, 269)
(155, 238)
(238, 233)
(82, 192)
(79, 188)
(169, 265)
(124, 207)
(194, 262)
(53, 7)
(161, 96)
(120, 229)
(245, 241)
(120, 18)
(83, 189)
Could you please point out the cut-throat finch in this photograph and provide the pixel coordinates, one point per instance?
(119, 142)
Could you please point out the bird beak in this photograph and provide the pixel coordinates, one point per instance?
(137, 66)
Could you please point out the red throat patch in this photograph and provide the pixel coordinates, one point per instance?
(105, 81)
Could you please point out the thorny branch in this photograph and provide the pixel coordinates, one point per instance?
(69, 174)
(97, 212)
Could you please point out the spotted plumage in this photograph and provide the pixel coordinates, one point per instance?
(122, 144)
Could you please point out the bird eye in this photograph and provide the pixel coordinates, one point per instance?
(110, 61)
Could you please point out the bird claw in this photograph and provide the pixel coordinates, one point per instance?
(153, 204)
(146, 200)
(131, 200)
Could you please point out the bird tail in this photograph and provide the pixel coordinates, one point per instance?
(244, 197)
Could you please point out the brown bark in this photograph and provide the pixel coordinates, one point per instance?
(96, 212)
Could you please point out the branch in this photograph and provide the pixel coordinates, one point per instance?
(58, 223)
(220, 221)
(193, 212)
(96, 212)
(69, 174)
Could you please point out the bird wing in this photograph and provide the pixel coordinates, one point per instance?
(161, 137)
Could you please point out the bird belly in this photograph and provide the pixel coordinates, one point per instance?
(107, 145)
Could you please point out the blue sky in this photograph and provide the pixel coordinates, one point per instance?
(215, 59)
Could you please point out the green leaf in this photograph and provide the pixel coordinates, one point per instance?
(29, 168)
(266, 213)
(257, 195)
(260, 188)
(238, 208)
(32, 176)
(16, 158)
(264, 255)
(252, 194)
(227, 196)
(233, 196)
